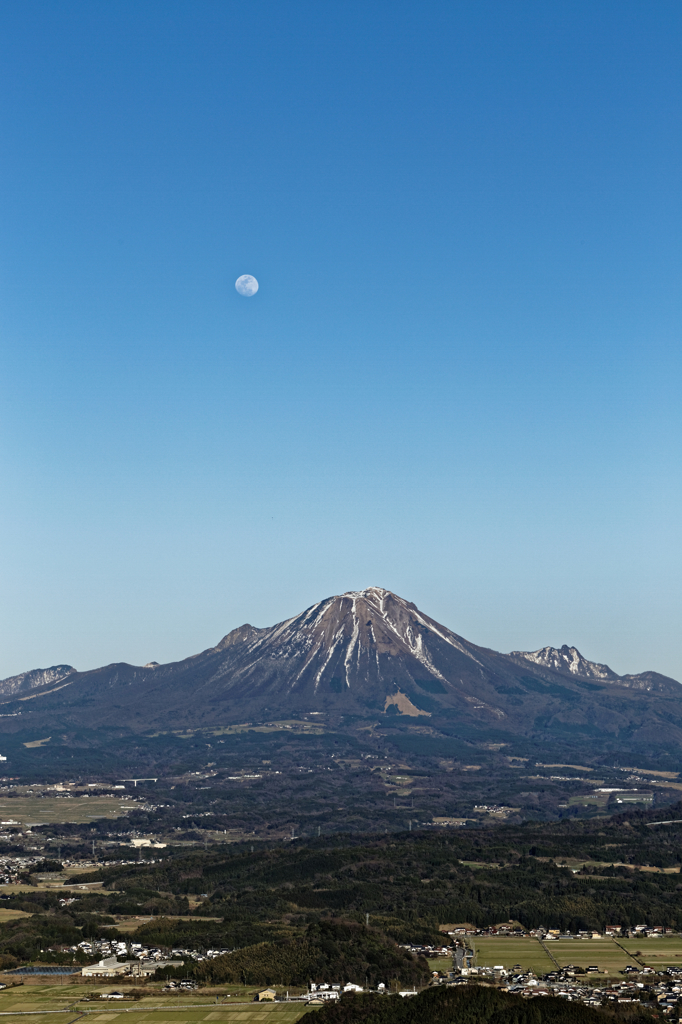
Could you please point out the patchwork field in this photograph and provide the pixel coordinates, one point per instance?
(32, 810)
(67, 1002)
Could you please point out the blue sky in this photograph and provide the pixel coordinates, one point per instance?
(459, 380)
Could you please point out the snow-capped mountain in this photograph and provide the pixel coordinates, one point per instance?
(369, 637)
(364, 656)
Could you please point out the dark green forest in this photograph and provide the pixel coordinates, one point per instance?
(408, 883)
(465, 1005)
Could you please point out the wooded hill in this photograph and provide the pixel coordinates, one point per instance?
(408, 883)
(469, 1005)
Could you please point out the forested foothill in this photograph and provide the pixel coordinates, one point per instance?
(305, 903)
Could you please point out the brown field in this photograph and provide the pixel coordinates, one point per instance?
(6, 914)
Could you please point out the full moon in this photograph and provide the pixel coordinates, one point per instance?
(246, 285)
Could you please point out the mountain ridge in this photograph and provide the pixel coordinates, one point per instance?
(365, 655)
(570, 661)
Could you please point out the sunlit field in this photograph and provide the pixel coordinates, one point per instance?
(158, 1008)
(529, 953)
(656, 953)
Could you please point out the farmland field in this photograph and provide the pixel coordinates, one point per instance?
(159, 1008)
(32, 810)
(657, 953)
(440, 963)
(603, 953)
(8, 914)
(510, 951)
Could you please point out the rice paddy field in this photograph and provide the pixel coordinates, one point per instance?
(529, 953)
(494, 951)
(657, 953)
(68, 1002)
(603, 953)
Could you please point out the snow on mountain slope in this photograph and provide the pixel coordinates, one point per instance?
(37, 677)
(348, 635)
(569, 661)
(363, 655)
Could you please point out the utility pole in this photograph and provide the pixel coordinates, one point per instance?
(319, 829)
(410, 824)
(366, 920)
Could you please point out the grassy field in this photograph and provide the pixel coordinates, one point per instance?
(71, 1000)
(290, 724)
(441, 963)
(603, 953)
(589, 799)
(657, 953)
(33, 810)
(492, 951)
(55, 882)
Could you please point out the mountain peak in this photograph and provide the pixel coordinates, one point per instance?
(237, 636)
(365, 654)
(568, 660)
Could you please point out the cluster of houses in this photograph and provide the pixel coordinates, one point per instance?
(12, 867)
(430, 952)
(663, 989)
(325, 992)
(143, 960)
(547, 934)
(610, 931)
